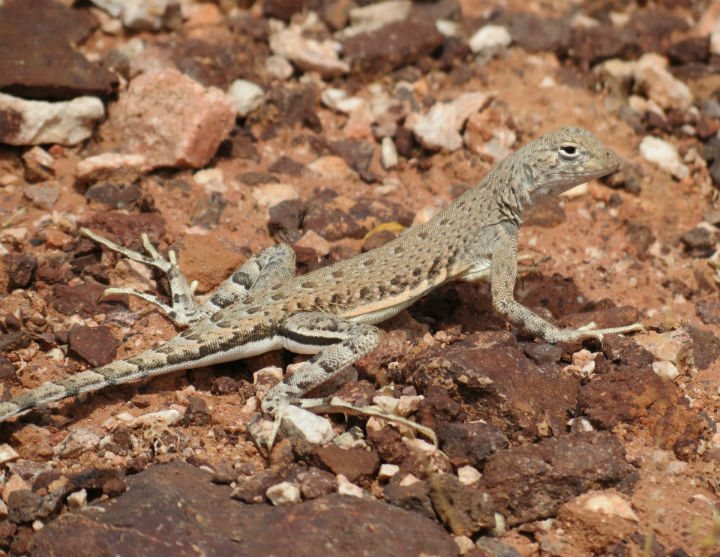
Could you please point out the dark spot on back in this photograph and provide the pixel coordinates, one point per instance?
(337, 274)
(423, 235)
(308, 284)
(397, 250)
(417, 271)
(364, 291)
(277, 286)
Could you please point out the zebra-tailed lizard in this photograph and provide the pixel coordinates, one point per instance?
(330, 312)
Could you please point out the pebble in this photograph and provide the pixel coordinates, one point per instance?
(468, 475)
(168, 417)
(346, 487)
(278, 68)
(39, 164)
(77, 499)
(284, 493)
(715, 39)
(665, 155)
(266, 378)
(332, 166)
(79, 441)
(387, 471)
(211, 180)
(35, 122)
(268, 195)
(374, 16)
(309, 55)
(13, 484)
(464, 544)
(668, 370)
(42, 196)
(7, 454)
(440, 127)
(338, 100)
(143, 15)
(246, 96)
(303, 425)
(611, 504)
(672, 346)
(659, 84)
(490, 36)
(388, 153)
(313, 240)
(119, 168)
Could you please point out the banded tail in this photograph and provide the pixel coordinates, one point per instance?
(152, 362)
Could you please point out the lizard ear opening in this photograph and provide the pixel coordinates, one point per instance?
(569, 151)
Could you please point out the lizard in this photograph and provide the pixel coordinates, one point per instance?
(331, 312)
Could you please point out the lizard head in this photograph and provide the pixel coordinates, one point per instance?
(562, 159)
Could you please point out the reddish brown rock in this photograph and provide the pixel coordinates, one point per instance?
(167, 509)
(470, 443)
(393, 45)
(519, 397)
(464, 510)
(127, 229)
(84, 299)
(37, 59)
(19, 269)
(355, 463)
(531, 482)
(203, 117)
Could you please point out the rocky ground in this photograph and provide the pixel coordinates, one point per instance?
(221, 128)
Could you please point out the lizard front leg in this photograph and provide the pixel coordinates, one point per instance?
(503, 272)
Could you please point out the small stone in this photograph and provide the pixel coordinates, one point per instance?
(39, 164)
(612, 504)
(167, 417)
(246, 96)
(115, 196)
(354, 463)
(388, 153)
(77, 500)
(440, 128)
(673, 346)
(700, 241)
(338, 100)
(96, 345)
(464, 544)
(284, 493)
(387, 471)
(468, 475)
(42, 196)
(79, 441)
(19, 269)
(141, 15)
(14, 483)
(7, 454)
(34, 122)
(667, 370)
(374, 16)
(23, 505)
(490, 36)
(314, 241)
(660, 85)
(266, 378)
(333, 167)
(278, 68)
(119, 168)
(665, 155)
(305, 426)
(346, 487)
(308, 55)
(197, 412)
(268, 195)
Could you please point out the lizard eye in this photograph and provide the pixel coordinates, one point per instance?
(569, 151)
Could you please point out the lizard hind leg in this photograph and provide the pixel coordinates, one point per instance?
(272, 266)
(309, 332)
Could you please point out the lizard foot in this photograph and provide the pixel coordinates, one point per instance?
(182, 293)
(591, 331)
